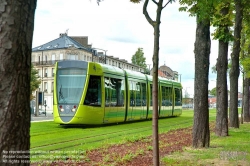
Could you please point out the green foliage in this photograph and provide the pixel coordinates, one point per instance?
(34, 81)
(213, 68)
(213, 91)
(245, 40)
(139, 59)
(211, 10)
(204, 9)
(135, 1)
(223, 20)
(246, 64)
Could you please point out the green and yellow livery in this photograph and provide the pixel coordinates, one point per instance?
(94, 93)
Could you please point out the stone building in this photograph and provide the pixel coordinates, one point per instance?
(166, 72)
(65, 47)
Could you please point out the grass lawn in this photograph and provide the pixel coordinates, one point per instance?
(231, 150)
(52, 141)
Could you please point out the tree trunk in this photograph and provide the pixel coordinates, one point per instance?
(242, 99)
(201, 134)
(221, 127)
(246, 97)
(156, 26)
(234, 71)
(155, 98)
(17, 22)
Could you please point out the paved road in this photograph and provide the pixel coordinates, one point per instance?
(42, 117)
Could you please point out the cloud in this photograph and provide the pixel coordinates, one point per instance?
(121, 28)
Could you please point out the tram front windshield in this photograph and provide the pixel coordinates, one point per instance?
(70, 83)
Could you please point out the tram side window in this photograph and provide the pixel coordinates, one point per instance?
(137, 93)
(177, 97)
(114, 92)
(144, 94)
(138, 98)
(166, 96)
(93, 96)
(151, 96)
(169, 95)
(132, 88)
(107, 91)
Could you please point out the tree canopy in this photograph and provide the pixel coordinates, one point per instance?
(213, 91)
(139, 59)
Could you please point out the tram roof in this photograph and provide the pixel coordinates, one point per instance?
(112, 70)
(135, 74)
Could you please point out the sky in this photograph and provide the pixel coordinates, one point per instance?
(121, 28)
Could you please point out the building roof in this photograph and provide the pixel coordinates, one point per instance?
(161, 74)
(62, 42)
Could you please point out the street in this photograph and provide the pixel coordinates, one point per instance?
(42, 117)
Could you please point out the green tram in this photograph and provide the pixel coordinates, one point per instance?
(94, 93)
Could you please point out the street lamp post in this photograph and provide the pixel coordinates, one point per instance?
(104, 54)
(149, 68)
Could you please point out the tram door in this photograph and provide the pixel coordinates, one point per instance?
(138, 99)
(166, 101)
(150, 111)
(114, 100)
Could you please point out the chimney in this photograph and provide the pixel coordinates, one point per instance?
(62, 34)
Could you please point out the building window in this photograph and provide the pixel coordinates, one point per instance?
(52, 72)
(45, 87)
(73, 57)
(61, 56)
(52, 86)
(46, 72)
(85, 57)
(53, 58)
(39, 72)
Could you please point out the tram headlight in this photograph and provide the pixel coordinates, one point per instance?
(61, 108)
(73, 109)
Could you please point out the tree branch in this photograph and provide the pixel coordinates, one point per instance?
(166, 4)
(145, 12)
(155, 2)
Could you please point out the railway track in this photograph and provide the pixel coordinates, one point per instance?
(103, 137)
(68, 144)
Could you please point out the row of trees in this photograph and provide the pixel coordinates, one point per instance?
(223, 14)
